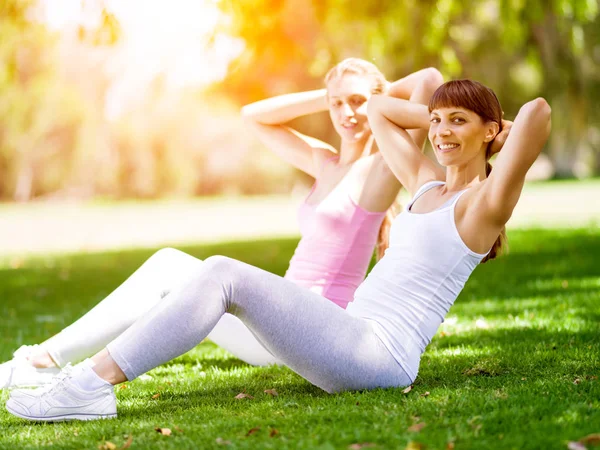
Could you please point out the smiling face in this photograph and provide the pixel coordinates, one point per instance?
(465, 117)
(347, 96)
(458, 135)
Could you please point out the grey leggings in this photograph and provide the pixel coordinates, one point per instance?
(314, 337)
(142, 291)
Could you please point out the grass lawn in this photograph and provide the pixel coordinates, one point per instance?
(514, 366)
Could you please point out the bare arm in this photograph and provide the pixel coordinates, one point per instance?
(418, 87)
(267, 117)
(390, 118)
(525, 141)
(404, 87)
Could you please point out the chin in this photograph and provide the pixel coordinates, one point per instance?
(443, 161)
(357, 137)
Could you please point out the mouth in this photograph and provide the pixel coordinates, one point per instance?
(349, 125)
(445, 148)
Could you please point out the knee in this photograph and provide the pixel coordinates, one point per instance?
(171, 257)
(221, 265)
(166, 253)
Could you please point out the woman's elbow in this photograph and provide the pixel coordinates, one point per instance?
(246, 112)
(433, 78)
(538, 107)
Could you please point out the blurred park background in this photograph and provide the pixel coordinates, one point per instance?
(109, 100)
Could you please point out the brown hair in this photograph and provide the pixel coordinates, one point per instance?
(357, 66)
(480, 99)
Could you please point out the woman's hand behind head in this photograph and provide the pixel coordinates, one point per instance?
(500, 138)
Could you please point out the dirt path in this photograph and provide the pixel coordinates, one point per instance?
(68, 227)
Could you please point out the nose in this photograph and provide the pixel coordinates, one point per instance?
(444, 131)
(347, 110)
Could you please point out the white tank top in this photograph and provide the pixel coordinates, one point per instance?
(410, 290)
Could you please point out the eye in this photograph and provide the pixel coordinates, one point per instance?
(458, 120)
(434, 120)
(357, 101)
(336, 103)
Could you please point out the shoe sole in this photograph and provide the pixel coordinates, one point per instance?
(62, 418)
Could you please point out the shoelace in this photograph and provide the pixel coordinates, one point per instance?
(57, 380)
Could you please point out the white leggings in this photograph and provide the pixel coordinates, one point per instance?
(143, 290)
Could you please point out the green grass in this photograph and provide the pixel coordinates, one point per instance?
(515, 365)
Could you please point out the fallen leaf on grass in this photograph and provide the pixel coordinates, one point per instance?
(221, 441)
(576, 446)
(576, 381)
(127, 443)
(414, 446)
(358, 446)
(242, 395)
(251, 431)
(274, 432)
(590, 439)
(450, 446)
(155, 396)
(179, 430)
(107, 446)
(271, 392)
(407, 390)
(163, 431)
(123, 386)
(593, 439)
(425, 394)
(416, 427)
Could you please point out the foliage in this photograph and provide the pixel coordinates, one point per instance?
(58, 138)
(521, 48)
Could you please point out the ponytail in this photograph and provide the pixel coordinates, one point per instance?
(500, 246)
(383, 240)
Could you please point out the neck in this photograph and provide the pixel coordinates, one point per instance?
(464, 176)
(352, 151)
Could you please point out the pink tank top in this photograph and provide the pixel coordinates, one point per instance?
(338, 239)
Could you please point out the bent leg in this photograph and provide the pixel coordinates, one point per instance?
(231, 334)
(308, 333)
(132, 299)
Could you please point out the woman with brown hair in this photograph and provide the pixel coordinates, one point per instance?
(341, 221)
(453, 222)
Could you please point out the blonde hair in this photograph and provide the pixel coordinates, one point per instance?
(357, 66)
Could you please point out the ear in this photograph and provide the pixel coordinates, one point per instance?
(491, 132)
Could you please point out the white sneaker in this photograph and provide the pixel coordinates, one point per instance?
(18, 372)
(64, 401)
